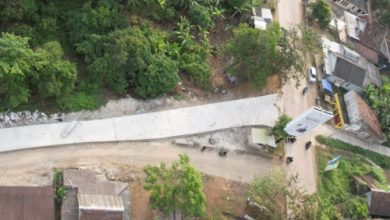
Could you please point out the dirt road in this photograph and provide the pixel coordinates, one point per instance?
(35, 166)
(289, 13)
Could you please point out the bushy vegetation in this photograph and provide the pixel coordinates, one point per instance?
(378, 159)
(379, 100)
(335, 188)
(258, 54)
(25, 72)
(176, 189)
(278, 129)
(269, 195)
(109, 52)
(381, 9)
(321, 13)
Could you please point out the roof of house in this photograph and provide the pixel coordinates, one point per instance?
(262, 136)
(95, 199)
(349, 72)
(367, 115)
(380, 203)
(360, 3)
(372, 37)
(100, 202)
(354, 25)
(26, 203)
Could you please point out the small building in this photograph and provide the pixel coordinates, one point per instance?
(372, 44)
(363, 121)
(27, 203)
(364, 184)
(261, 137)
(357, 7)
(347, 69)
(91, 199)
(354, 25)
(261, 18)
(378, 203)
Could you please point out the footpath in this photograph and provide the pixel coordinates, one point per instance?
(148, 126)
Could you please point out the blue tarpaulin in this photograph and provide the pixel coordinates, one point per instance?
(327, 86)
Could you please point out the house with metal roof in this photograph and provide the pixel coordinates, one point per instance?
(363, 122)
(261, 17)
(378, 203)
(91, 199)
(357, 7)
(346, 69)
(27, 202)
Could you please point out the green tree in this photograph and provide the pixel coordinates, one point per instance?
(321, 12)
(270, 195)
(15, 66)
(176, 189)
(160, 77)
(254, 52)
(54, 76)
(278, 129)
(24, 72)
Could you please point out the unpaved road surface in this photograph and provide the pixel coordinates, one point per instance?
(35, 167)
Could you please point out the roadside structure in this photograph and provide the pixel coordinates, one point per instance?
(357, 7)
(26, 202)
(366, 38)
(363, 122)
(91, 199)
(261, 18)
(347, 69)
(378, 202)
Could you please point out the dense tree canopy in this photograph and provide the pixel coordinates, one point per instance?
(176, 189)
(24, 72)
(254, 52)
(321, 12)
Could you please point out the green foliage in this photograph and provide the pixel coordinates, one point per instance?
(271, 193)
(335, 187)
(201, 16)
(356, 208)
(79, 101)
(277, 130)
(379, 100)
(321, 12)
(176, 189)
(160, 78)
(98, 17)
(15, 66)
(378, 159)
(58, 183)
(241, 8)
(382, 9)
(23, 71)
(254, 52)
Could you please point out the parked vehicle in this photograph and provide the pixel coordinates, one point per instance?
(312, 75)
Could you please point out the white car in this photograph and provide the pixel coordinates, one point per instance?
(312, 75)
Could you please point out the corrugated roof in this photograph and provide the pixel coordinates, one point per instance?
(26, 203)
(263, 137)
(380, 203)
(349, 72)
(367, 115)
(362, 4)
(100, 202)
(372, 37)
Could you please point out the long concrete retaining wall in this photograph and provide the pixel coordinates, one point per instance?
(163, 124)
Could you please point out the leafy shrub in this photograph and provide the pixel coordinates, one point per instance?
(355, 208)
(277, 130)
(379, 159)
(79, 101)
(200, 15)
(160, 77)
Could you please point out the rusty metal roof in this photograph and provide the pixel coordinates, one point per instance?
(26, 203)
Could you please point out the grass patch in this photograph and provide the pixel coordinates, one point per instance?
(336, 187)
(379, 159)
